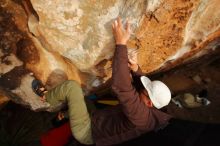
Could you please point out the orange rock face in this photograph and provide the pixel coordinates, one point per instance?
(56, 41)
(176, 31)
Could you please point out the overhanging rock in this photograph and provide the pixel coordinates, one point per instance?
(59, 40)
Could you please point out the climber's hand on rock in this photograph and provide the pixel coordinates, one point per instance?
(132, 61)
(120, 33)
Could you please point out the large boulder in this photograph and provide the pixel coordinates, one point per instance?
(58, 40)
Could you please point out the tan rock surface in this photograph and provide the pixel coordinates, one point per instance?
(58, 40)
(167, 30)
(81, 30)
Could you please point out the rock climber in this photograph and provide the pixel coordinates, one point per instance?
(140, 100)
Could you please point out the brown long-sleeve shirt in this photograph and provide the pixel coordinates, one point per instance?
(131, 117)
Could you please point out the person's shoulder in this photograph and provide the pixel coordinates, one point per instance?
(159, 114)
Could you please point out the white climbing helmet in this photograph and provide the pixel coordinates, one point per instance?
(158, 92)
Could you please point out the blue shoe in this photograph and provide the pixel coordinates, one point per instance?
(37, 87)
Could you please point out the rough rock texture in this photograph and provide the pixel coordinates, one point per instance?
(58, 40)
(81, 30)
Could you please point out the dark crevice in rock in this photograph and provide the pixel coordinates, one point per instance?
(12, 79)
